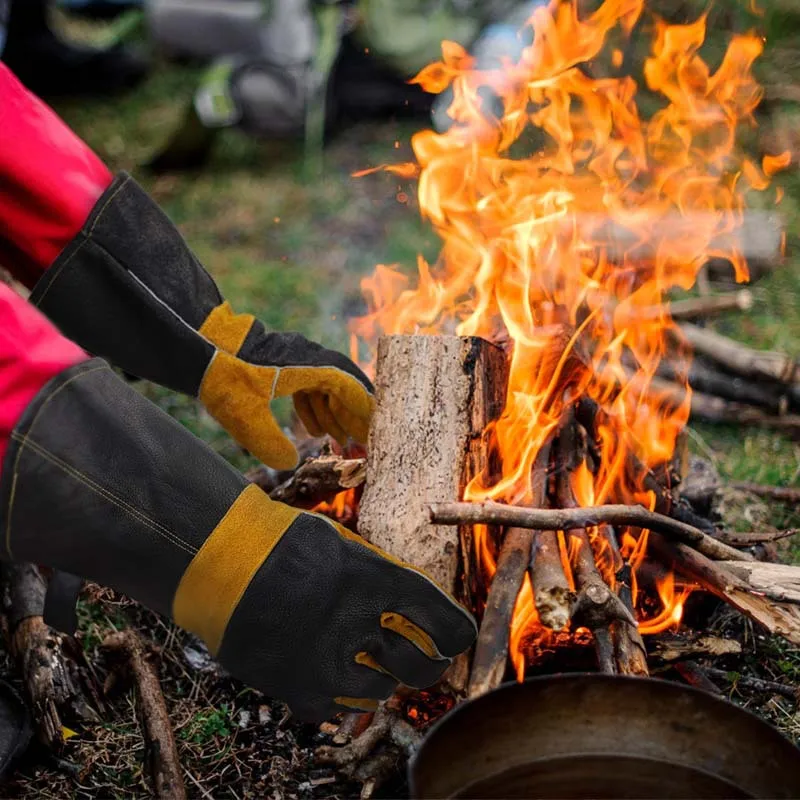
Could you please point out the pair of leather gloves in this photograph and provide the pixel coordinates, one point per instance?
(99, 483)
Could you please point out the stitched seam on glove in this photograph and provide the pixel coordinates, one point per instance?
(14, 435)
(86, 237)
(165, 533)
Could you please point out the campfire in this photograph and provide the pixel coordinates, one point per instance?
(527, 451)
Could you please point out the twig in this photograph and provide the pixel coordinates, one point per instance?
(165, 766)
(783, 494)
(755, 537)
(587, 517)
(757, 684)
(630, 654)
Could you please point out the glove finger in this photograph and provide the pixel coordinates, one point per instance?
(327, 380)
(362, 686)
(302, 405)
(319, 403)
(406, 662)
(357, 427)
(428, 616)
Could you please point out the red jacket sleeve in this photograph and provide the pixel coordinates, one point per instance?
(32, 351)
(49, 181)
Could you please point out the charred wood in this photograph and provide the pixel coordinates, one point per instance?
(630, 654)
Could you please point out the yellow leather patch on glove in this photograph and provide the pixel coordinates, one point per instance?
(220, 572)
(225, 329)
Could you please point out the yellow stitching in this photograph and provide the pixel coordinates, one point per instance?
(12, 496)
(112, 498)
(30, 427)
(54, 274)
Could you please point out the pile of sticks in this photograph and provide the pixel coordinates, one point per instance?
(731, 383)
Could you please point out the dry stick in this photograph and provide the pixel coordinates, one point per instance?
(757, 684)
(755, 537)
(165, 766)
(552, 595)
(629, 650)
(516, 552)
(743, 360)
(784, 494)
(319, 480)
(593, 605)
(568, 518)
(672, 649)
(778, 618)
(779, 582)
(694, 307)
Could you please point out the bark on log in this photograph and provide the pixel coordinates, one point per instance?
(782, 619)
(162, 754)
(56, 681)
(435, 397)
(586, 517)
(319, 480)
(755, 537)
(743, 360)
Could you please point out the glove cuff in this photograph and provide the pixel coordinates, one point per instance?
(226, 329)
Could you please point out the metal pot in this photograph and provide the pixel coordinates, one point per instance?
(603, 736)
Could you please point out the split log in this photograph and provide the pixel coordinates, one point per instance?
(566, 519)
(783, 494)
(743, 360)
(162, 754)
(57, 681)
(778, 618)
(319, 480)
(779, 582)
(435, 397)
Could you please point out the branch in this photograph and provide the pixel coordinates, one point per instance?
(783, 494)
(572, 518)
(319, 480)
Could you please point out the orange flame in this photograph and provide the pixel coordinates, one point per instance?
(565, 218)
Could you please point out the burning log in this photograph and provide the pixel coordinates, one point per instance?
(736, 357)
(319, 480)
(162, 755)
(778, 618)
(585, 517)
(517, 554)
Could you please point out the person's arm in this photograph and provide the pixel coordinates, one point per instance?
(96, 481)
(115, 275)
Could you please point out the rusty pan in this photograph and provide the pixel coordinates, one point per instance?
(603, 736)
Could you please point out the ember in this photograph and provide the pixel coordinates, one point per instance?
(565, 222)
